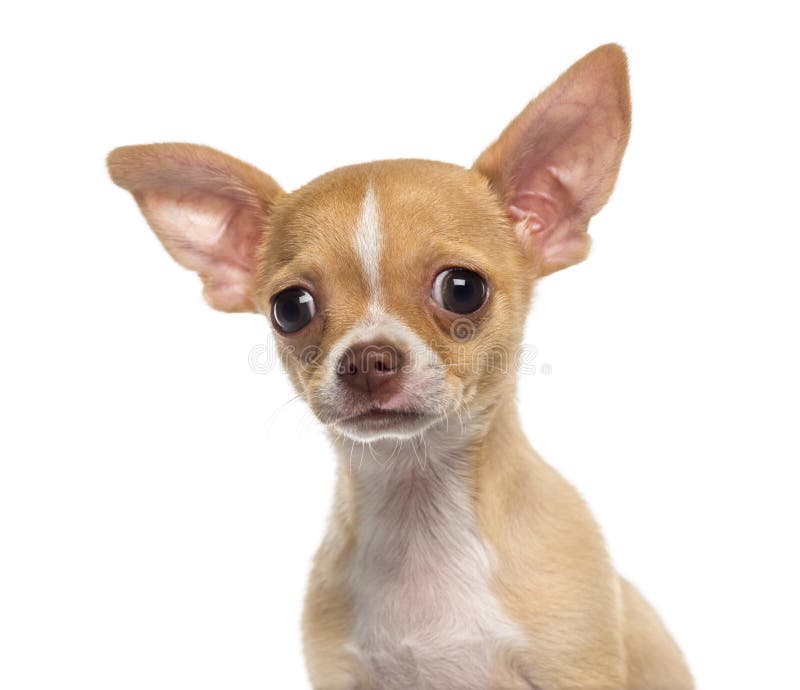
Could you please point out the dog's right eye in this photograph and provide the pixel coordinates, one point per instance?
(293, 309)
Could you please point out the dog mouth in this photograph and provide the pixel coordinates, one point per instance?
(377, 420)
(378, 415)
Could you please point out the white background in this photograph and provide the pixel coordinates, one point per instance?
(160, 502)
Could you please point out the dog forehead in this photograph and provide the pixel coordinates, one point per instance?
(399, 204)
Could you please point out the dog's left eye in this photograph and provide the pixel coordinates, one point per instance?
(293, 309)
(459, 290)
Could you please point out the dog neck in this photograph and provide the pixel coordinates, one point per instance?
(419, 570)
(467, 455)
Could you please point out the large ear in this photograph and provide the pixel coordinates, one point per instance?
(208, 209)
(555, 165)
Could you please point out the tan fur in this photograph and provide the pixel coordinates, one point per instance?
(580, 625)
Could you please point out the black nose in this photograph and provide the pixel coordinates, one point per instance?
(371, 367)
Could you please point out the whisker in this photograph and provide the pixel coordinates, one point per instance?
(363, 448)
(280, 409)
(350, 461)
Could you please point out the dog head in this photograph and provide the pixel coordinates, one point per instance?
(397, 290)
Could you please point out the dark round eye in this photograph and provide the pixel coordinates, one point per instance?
(292, 309)
(459, 290)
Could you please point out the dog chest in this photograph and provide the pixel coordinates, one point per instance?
(425, 616)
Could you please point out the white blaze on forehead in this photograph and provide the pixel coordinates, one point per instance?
(369, 240)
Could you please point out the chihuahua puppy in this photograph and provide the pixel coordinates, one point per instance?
(397, 290)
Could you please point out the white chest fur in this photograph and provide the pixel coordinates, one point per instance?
(425, 616)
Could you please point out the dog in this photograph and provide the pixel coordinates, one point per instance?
(455, 558)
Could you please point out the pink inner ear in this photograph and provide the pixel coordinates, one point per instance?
(542, 210)
(209, 209)
(556, 163)
(559, 176)
(211, 234)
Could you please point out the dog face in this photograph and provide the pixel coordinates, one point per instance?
(412, 280)
(397, 290)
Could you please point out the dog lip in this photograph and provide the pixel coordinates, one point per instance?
(374, 414)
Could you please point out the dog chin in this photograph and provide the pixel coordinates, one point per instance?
(378, 424)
